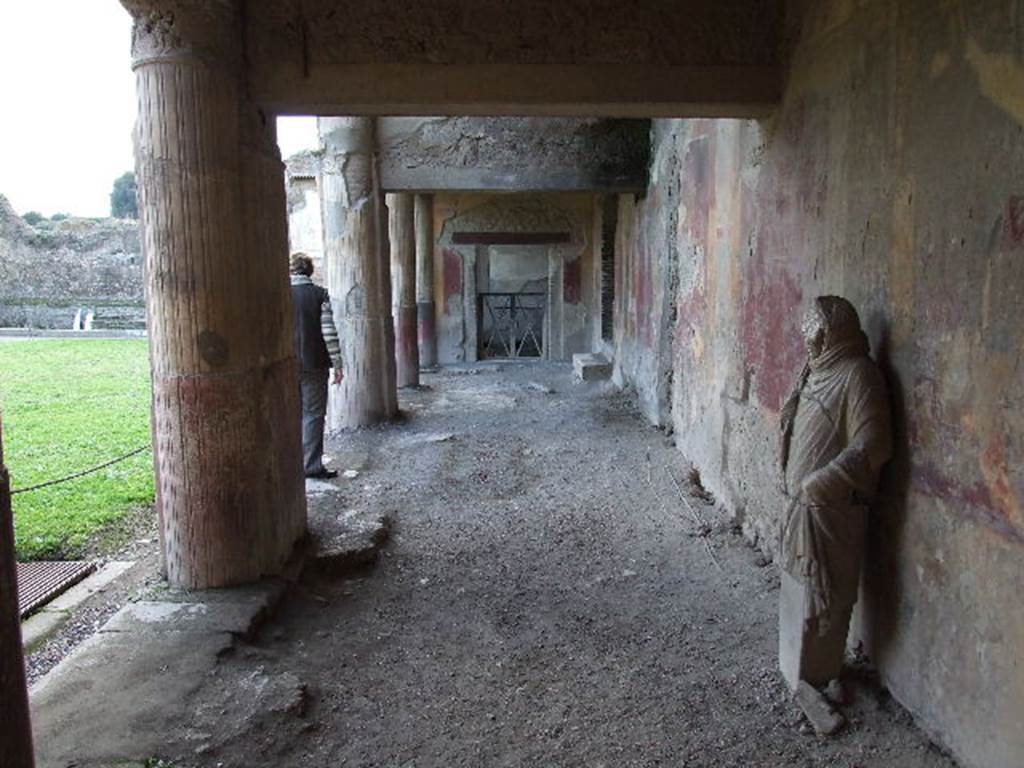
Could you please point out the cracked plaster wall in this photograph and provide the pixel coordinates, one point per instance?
(517, 154)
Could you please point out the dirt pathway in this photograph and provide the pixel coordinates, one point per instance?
(546, 600)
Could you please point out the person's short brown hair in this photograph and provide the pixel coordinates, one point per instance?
(301, 264)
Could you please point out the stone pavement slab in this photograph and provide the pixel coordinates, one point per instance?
(88, 587)
(344, 540)
(118, 698)
(151, 616)
(122, 692)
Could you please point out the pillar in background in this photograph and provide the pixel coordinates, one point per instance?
(403, 271)
(426, 323)
(226, 423)
(16, 732)
(358, 267)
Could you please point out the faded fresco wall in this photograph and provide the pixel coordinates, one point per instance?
(570, 298)
(893, 174)
(646, 258)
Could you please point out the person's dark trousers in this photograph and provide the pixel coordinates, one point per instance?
(314, 409)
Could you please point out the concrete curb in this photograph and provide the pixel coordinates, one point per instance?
(54, 333)
(48, 619)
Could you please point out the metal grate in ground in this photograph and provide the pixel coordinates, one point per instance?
(39, 582)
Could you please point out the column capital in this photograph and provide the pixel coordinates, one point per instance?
(348, 135)
(171, 30)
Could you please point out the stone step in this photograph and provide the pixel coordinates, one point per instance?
(591, 367)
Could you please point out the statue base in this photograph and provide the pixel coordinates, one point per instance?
(803, 653)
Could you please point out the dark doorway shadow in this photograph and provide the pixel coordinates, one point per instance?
(876, 620)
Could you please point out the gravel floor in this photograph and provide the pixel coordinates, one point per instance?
(548, 598)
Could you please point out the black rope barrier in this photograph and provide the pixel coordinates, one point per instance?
(83, 473)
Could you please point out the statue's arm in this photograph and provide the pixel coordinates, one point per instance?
(869, 442)
(786, 417)
(869, 426)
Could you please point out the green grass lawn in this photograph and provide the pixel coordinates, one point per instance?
(67, 406)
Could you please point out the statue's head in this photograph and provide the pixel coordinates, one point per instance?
(831, 322)
(812, 327)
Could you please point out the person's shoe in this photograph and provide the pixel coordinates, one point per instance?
(323, 474)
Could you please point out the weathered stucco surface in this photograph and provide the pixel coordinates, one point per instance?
(49, 272)
(526, 32)
(892, 174)
(490, 154)
(518, 154)
(529, 57)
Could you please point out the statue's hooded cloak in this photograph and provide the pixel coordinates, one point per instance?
(835, 437)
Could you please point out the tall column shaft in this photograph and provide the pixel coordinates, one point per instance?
(358, 266)
(226, 417)
(401, 232)
(16, 733)
(425, 307)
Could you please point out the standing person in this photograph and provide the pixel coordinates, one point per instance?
(318, 350)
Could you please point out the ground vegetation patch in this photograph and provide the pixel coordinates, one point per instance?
(68, 406)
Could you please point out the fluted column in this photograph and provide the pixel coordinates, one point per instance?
(357, 258)
(16, 732)
(226, 419)
(426, 319)
(403, 279)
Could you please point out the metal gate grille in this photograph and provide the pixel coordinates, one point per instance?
(41, 581)
(512, 324)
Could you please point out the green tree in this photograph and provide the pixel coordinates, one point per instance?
(123, 200)
(33, 217)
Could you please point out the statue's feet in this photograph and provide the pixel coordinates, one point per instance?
(836, 693)
(818, 711)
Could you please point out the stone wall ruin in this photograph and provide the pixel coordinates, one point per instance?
(50, 271)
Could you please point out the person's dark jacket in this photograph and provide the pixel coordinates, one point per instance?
(316, 337)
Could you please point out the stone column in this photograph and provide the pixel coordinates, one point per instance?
(16, 733)
(227, 445)
(357, 258)
(403, 273)
(554, 325)
(470, 302)
(425, 312)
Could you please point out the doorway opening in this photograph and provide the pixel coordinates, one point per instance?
(512, 325)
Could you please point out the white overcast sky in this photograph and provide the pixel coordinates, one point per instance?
(67, 105)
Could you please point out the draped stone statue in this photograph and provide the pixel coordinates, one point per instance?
(836, 435)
